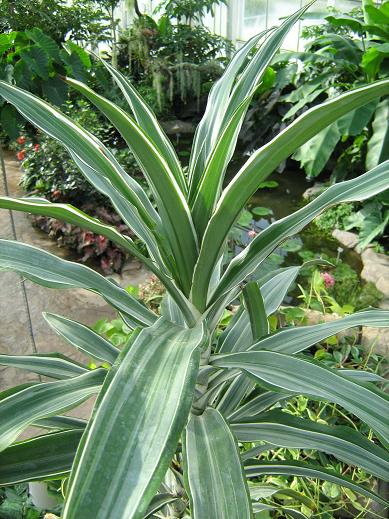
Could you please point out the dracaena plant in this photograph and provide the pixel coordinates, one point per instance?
(178, 390)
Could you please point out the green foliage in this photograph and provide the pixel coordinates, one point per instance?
(83, 20)
(176, 60)
(174, 402)
(15, 503)
(188, 10)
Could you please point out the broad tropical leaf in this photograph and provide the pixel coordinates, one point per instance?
(299, 375)
(290, 431)
(83, 338)
(164, 359)
(25, 407)
(260, 165)
(378, 145)
(52, 365)
(45, 457)
(50, 271)
(360, 188)
(214, 492)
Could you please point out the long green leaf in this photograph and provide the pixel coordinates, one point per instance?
(208, 130)
(82, 145)
(259, 166)
(147, 120)
(298, 375)
(255, 306)
(345, 443)
(171, 202)
(53, 272)
(360, 188)
(378, 145)
(60, 423)
(299, 468)
(213, 470)
(82, 338)
(143, 408)
(44, 457)
(255, 407)
(25, 407)
(52, 365)
(296, 339)
(70, 214)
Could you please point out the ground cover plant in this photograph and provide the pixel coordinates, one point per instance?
(175, 400)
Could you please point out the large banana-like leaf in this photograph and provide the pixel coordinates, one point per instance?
(213, 470)
(83, 145)
(259, 166)
(345, 443)
(360, 188)
(300, 468)
(296, 339)
(378, 145)
(299, 375)
(83, 338)
(173, 208)
(142, 408)
(50, 271)
(147, 120)
(45, 457)
(52, 365)
(25, 407)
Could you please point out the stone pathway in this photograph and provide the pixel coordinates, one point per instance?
(23, 330)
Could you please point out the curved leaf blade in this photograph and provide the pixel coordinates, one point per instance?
(52, 365)
(45, 457)
(289, 431)
(299, 375)
(159, 366)
(48, 270)
(25, 407)
(299, 468)
(213, 469)
(82, 338)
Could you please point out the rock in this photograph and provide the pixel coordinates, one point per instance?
(313, 191)
(176, 126)
(376, 270)
(346, 238)
(316, 317)
(377, 339)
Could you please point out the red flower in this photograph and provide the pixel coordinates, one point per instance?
(20, 155)
(36, 147)
(21, 139)
(56, 193)
(329, 280)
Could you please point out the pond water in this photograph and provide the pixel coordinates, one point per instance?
(283, 200)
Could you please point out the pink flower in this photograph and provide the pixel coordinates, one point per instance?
(102, 243)
(36, 147)
(20, 155)
(251, 233)
(329, 280)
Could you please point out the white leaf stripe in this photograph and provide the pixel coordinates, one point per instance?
(357, 189)
(29, 405)
(214, 491)
(293, 468)
(149, 123)
(301, 376)
(296, 339)
(83, 144)
(53, 272)
(160, 366)
(169, 198)
(82, 337)
(292, 432)
(54, 366)
(36, 459)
